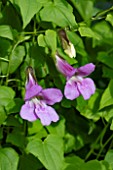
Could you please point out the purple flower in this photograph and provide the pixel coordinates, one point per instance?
(37, 101)
(76, 84)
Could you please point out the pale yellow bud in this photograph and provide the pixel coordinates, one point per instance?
(70, 50)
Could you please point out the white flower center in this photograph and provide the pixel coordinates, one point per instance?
(75, 79)
(38, 102)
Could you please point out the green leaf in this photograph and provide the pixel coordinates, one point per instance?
(9, 16)
(105, 58)
(41, 71)
(49, 40)
(6, 32)
(57, 128)
(92, 165)
(66, 103)
(12, 121)
(28, 9)
(106, 165)
(6, 94)
(42, 41)
(17, 58)
(85, 9)
(34, 127)
(103, 29)
(58, 12)
(14, 106)
(111, 126)
(75, 39)
(107, 72)
(49, 152)
(73, 163)
(5, 45)
(109, 18)
(69, 143)
(107, 113)
(2, 115)
(29, 162)
(107, 97)
(8, 159)
(109, 157)
(44, 2)
(37, 53)
(88, 32)
(16, 138)
(89, 109)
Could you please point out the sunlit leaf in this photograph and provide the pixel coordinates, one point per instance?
(49, 152)
(109, 156)
(73, 162)
(85, 8)
(6, 32)
(6, 94)
(48, 40)
(109, 18)
(28, 9)
(17, 58)
(107, 97)
(88, 32)
(92, 165)
(8, 159)
(58, 128)
(59, 12)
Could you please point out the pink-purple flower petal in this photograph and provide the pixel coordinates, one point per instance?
(71, 91)
(86, 69)
(46, 114)
(27, 111)
(32, 91)
(32, 88)
(51, 95)
(86, 88)
(65, 68)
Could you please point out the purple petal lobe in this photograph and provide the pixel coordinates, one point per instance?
(64, 67)
(27, 111)
(51, 95)
(46, 114)
(86, 88)
(71, 91)
(32, 88)
(86, 69)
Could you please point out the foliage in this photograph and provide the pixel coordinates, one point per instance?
(83, 137)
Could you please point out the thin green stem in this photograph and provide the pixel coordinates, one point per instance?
(17, 80)
(34, 30)
(111, 145)
(99, 138)
(34, 33)
(102, 14)
(99, 154)
(3, 76)
(103, 133)
(4, 59)
(10, 56)
(25, 127)
(92, 149)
